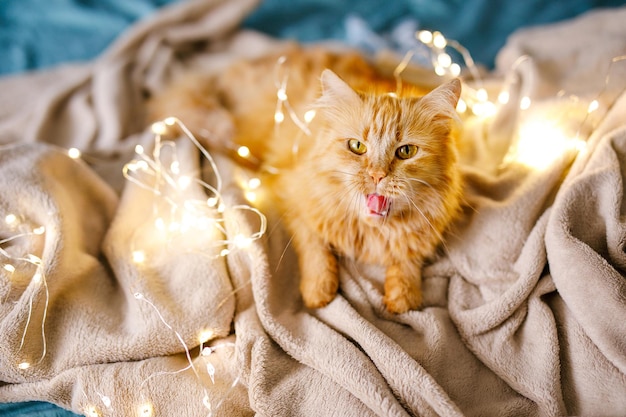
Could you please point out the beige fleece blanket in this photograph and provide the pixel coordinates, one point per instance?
(525, 310)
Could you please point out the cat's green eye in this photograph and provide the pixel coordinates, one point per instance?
(357, 147)
(406, 151)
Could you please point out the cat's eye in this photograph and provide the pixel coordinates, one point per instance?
(406, 151)
(357, 147)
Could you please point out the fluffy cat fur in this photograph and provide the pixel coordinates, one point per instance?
(375, 181)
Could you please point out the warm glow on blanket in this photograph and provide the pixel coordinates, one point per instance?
(92, 411)
(145, 410)
(541, 143)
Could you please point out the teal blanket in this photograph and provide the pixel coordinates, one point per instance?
(41, 33)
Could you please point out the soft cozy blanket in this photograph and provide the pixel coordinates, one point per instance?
(524, 313)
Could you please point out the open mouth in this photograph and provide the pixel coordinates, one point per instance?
(378, 205)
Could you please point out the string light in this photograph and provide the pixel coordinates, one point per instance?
(540, 140)
(163, 175)
(281, 76)
(170, 185)
(38, 279)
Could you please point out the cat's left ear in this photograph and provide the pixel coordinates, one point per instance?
(443, 99)
(336, 90)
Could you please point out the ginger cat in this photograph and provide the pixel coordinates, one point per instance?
(374, 177)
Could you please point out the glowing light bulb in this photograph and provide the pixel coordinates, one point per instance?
(23, 365)
(106, 401)
(224, 252)
(211, 201)
(250, 196)
(593, 106)
(281, 94)
(37, 278)
(309, 116)
(139, 256)
(455, 69)
(206, 402)
(139, 150)
(254, 183)
(175, 167)
(504, 97)
(484, 109)
(39, 231)
(440, 71)
(524, 103)
(279, 117)
(243, 151)
(425, 36)
(170, 121)
(482, 95)
(461, 106)
(35, 260)
(184, 181)
(159, 128)
(145, 410)
(159, 223)
(444, 60)
(137, 166)
(210, 369)
(241, 241)
(9, 268)
(10, 219)
(74, 153)
(439, 41)
(205, 335)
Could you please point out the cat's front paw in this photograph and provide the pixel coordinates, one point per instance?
(402, 301)
(317, 292)
(402, 294)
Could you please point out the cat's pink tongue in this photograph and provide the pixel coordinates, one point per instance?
(377, 204)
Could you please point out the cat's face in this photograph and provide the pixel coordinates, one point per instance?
(389, 157)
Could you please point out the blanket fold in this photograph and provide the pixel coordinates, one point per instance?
(132, 281)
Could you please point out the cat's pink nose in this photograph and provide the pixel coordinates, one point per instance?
(377, 176)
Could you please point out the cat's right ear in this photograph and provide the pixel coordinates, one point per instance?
(336, 90)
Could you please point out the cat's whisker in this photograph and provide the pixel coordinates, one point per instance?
(282, 255)
(439, 235)
(421, 181)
